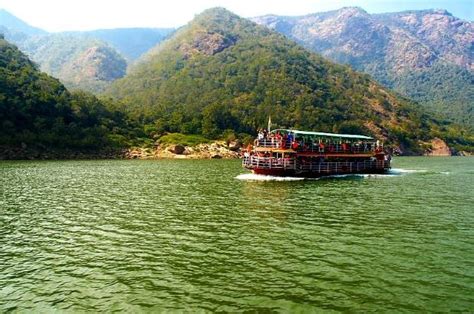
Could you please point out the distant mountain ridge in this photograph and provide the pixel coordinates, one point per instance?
(425, 55)
(12, 22)
(130, 42)
(81, 60)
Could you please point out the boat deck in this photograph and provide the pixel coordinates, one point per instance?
(255, 162)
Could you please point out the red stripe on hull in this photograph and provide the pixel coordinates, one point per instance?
(291, 173)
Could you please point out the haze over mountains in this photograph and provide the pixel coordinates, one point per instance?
(425, 55)
(131, 43)
(81, 60)
(13, 23)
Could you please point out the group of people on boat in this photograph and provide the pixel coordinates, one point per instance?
(291, 152)
(275, 139)
(288, 141)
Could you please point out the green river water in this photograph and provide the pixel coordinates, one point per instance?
(203, 235)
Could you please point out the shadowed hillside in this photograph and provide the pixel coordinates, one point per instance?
(39, 116)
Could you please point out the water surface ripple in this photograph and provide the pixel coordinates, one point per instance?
(178, 234)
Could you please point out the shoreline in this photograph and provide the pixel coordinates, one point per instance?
(214, 150)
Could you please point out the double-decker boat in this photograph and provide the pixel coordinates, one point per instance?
(284, 152)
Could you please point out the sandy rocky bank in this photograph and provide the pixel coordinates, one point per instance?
(215, 150)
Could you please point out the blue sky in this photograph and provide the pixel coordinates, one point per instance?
(61, 15)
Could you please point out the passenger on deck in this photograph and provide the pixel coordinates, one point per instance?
(271, 136)
(290, 137)
(321, 147)
(284, 140)
(278, 139)
(345, 147)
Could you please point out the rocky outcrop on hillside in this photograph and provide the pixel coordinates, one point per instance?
(438, 147)
(208, 43)
(446, 36)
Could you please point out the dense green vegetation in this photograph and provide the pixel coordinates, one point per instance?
(222, 72)
(443, 89)
(36, 110)
(182, 139)
(429, 87)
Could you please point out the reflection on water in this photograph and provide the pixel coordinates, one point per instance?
(169, 235)
(268, 199)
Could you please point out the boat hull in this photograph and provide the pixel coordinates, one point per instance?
(309, 174)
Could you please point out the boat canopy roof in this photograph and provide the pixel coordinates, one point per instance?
(323, 134)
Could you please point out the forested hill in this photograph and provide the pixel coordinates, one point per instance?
(425, 55)
(223, 72)
(80, 62)
(37, 113)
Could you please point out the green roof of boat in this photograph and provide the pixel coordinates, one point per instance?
(324, 134)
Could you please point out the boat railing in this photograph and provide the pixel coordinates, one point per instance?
(272, 143)
(269, 162)
(314, 147)
(336, 148)
(344, 166)
(318, 167)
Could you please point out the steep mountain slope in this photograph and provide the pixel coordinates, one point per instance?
(36, 111)
(223, 72)
(449, 38)
(425, 55)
